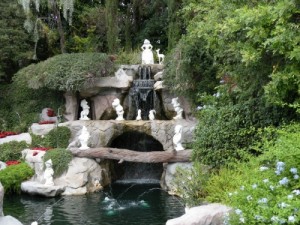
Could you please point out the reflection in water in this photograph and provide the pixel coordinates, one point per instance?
(133, 204)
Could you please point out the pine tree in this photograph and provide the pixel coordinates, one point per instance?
(112, 25)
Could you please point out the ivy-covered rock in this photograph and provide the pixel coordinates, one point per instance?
(67, 72)
(60, 159)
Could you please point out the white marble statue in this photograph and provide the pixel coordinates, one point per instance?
(147, 54)
(85, 110)
(84, 138)
(119, 109)
(161, 57)
(152, 114)
(177, 109)
(48, 173)
(177, 138)
(139, 116)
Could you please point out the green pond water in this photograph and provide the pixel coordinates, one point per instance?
(121, 204)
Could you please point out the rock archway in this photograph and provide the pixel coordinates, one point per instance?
(140, 142)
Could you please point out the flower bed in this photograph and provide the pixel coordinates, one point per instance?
(37, 149)
(41, 148)
(12, 162)
(4, 134)
(46, 122)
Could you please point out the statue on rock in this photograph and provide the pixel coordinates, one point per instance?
(139, 116)
(147, 54)
(161, 57)
(85, 110)
(84, 138)
(177, 138)
(152, 114)
(48, 174)
(177, 109)
(119, 109)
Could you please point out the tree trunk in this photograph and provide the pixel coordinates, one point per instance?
(134, 156)
(59, 28)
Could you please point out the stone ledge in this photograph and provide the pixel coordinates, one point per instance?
(35, 188)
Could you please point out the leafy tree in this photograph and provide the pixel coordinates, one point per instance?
(245, 44)
(15, 42)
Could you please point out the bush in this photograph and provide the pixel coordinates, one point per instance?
(266, 190)
(60, 160)
(57, 138)
(189, 184)
(12, 177)
(22, 106)
(12, 150)
(66, 72)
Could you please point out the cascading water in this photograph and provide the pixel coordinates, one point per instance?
(137, 172)
(142, 92)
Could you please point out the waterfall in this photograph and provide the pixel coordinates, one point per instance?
(142, 94)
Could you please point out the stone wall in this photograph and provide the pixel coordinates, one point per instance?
(103, 132)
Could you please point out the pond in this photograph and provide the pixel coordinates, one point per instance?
(123, 203)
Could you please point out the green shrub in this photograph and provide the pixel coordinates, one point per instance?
(60, 160)
(57, 138)
(129, 58)
(66, 72)
(12, 150)
(22, 106)
(266, 190)
(12, 177)
(189, 184)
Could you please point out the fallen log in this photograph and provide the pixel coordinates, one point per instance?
(134, 156)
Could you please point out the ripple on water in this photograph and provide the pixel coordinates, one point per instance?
(115, 206)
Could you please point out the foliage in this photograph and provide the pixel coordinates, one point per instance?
(88, 30)
(60, 160)
(57, 138)
(190, 69)
(12, 150)
(66, 72)
(262, 190)
(21, 105)
(189, 184)
(15, 43)
(12, 177)
(129, 57)
(112, 25)
(271, 199)
(227, 131)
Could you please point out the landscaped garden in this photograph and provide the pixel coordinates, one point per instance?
(236, 62)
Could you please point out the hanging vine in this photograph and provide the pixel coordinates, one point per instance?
(35, 24)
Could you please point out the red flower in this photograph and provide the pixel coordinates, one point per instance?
(35, 153)
(46, 122)
(41, 148)
(7, 133)
(51, 112)
(13, 162)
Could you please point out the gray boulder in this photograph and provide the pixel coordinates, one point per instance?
(9, 220)
(212, 214)
(1, 199)
(36, 188)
